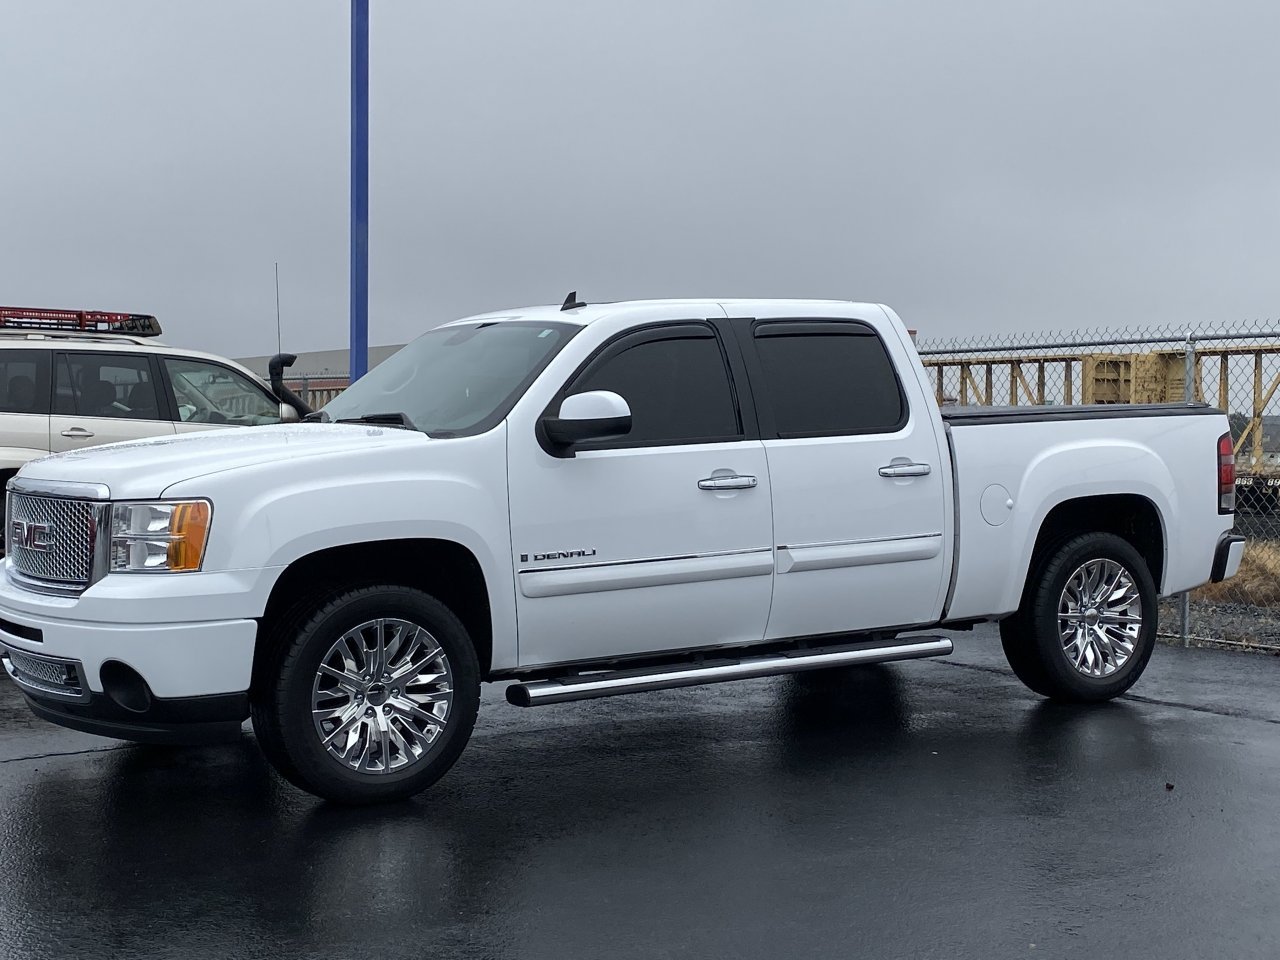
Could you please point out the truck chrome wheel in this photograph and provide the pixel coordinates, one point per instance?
(382, 696)
(1100, 617)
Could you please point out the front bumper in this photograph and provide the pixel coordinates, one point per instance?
(183, 720)
(151, 682)
(1226, 562)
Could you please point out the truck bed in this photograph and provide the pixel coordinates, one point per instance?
(1006, 484)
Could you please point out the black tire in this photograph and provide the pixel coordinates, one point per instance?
(1031, 639)
(282, 701)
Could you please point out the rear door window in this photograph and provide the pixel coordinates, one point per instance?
(831, 378)
(24, 381)
(112, 385)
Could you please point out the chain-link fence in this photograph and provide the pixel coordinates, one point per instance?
(1236, 369)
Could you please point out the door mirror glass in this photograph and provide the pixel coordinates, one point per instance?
(594, 415)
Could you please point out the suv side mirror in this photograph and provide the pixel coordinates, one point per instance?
(595, 415)
(288, 414)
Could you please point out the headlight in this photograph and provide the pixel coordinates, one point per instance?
(159, 536)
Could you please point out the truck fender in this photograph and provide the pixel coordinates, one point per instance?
(1116, 467)
(277, 525)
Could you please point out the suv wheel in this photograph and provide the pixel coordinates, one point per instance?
(371, 696)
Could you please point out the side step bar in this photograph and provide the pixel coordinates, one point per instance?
(588, 686)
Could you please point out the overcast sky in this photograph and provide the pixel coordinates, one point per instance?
(983, 166)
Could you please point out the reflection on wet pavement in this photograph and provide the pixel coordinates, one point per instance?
(916, 810)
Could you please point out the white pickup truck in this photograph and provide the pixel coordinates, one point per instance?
(590, 500)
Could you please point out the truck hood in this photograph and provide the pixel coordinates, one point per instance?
(145, 468)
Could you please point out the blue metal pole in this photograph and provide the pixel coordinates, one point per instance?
(359, 188)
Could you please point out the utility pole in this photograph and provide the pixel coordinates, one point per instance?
(359, 361)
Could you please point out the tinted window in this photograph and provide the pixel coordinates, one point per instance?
(105, 385)
(24, 381)
(210, 393)
(678, 390)
(820, 383)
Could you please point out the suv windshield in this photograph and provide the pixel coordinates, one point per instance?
(455, 381)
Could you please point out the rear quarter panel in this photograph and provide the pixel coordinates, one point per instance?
(1171, 461)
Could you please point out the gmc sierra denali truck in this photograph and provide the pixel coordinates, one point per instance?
(590, 500)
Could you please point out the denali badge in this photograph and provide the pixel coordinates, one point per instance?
(31, 536)
(557, 555)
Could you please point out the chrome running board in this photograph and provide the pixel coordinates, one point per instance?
(588, 686)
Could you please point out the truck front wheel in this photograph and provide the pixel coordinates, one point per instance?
(368, 696)
(1087, 625)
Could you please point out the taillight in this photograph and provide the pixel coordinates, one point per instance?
(1226, 475)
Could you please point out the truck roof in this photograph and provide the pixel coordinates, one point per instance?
(591, 312)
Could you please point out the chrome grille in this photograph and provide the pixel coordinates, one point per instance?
(70, 529)
(45, 674)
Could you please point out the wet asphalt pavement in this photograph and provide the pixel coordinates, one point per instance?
(931, 809)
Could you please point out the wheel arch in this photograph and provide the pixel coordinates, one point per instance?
(1133, 517)
(445, 569)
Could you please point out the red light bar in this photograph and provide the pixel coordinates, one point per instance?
(97, 321)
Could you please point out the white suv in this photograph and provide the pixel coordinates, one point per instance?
(72, 379)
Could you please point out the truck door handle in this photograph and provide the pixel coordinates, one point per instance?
(906, 470)
(727, 483)
(77, 433)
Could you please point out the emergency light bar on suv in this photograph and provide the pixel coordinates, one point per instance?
(90, 321)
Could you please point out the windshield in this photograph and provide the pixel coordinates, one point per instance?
(455, 381)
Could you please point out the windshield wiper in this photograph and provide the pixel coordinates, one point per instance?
(319, 416)
(400, 420)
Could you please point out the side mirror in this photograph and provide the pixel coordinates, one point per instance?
(288, 414)
(595, 415)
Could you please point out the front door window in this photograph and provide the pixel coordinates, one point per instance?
(213, 394)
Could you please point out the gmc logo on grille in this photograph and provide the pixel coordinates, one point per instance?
(31, 536)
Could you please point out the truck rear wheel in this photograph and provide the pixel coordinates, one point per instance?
(1087, 625)
(369, 696)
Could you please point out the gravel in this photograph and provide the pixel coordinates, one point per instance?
(1219, 624)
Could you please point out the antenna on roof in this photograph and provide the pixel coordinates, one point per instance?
(571, 302)
(279, 349)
